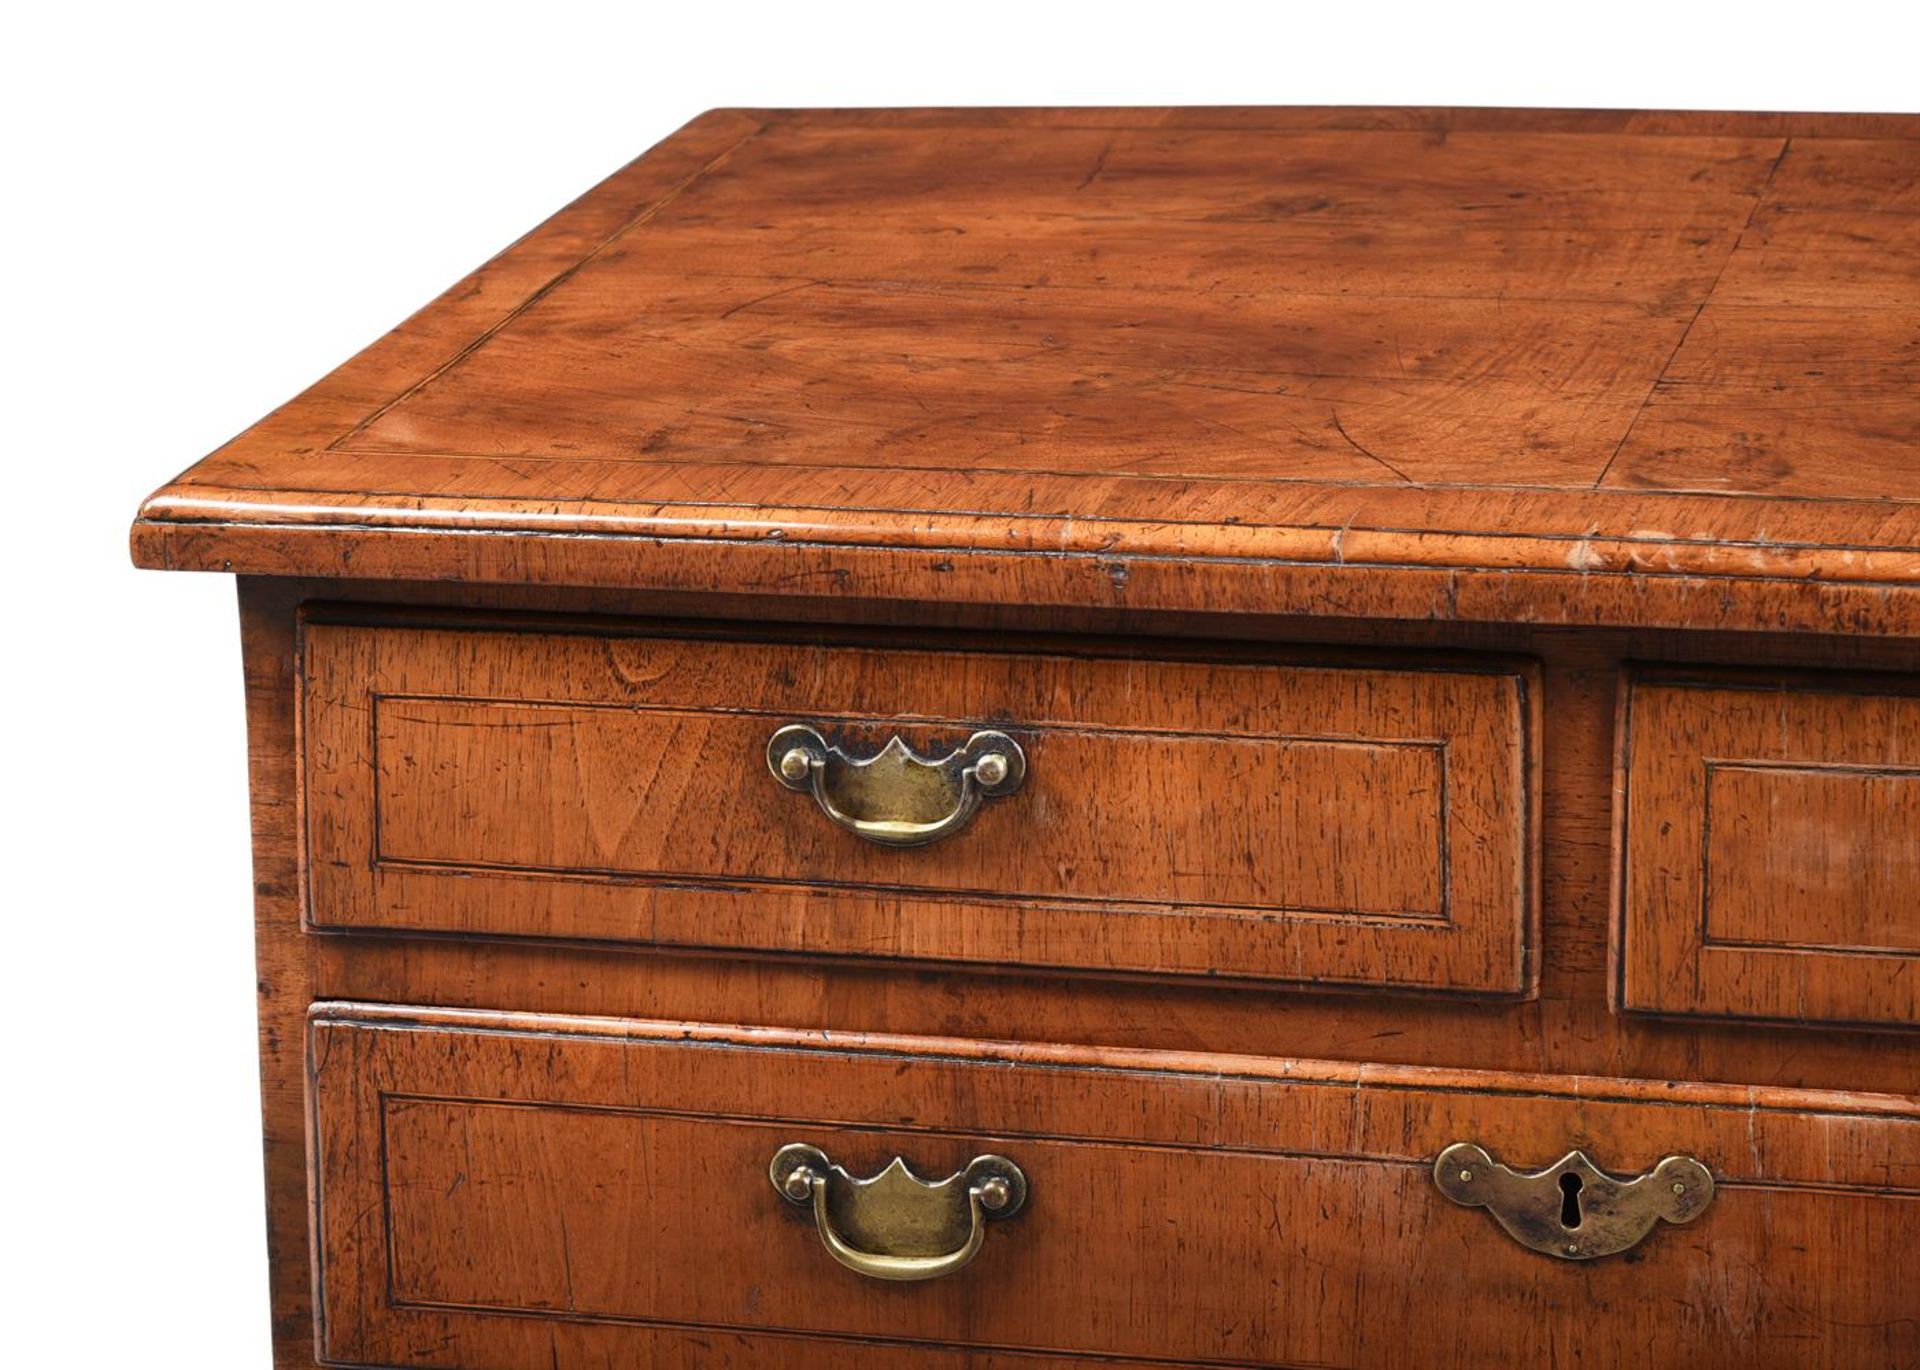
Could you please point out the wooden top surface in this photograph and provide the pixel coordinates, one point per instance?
(1551, 366)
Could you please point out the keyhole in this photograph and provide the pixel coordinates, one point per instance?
(1570, 1186)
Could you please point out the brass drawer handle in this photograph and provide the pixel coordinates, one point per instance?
(898, 1226)
(1573, 1209)
(897, 797)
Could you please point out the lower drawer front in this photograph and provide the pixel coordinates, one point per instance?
(523, 1192)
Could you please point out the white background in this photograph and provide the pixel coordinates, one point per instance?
(205, 207)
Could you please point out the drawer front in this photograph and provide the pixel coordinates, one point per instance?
(500, 1192)
(1325, 823)
(1770, 849)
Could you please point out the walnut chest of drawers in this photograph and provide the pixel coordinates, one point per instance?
(1047, 738)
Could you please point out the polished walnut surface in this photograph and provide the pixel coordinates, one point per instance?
(1191, 813)
(1452, 576)
(1218, 1211)
(1641, 369)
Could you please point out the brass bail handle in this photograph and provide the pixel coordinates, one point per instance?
(897, 1225)
(1573, 1209)
(897, 797)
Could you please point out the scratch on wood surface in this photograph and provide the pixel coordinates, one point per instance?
(1753, 210)
(1341, 429)
(1099, 165)
(770, 295)
(1583, 556)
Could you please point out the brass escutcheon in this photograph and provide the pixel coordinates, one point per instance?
(897, 797)
(1573, 1209)
(897, 1226)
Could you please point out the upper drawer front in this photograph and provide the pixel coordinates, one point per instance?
(1324, 823)
(1770, 853)
(515, 1193)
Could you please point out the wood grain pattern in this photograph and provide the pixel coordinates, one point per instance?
(1813, 857)
(1599, 369)
(1567, 1030)
(1770, 861)
(1249, 447)
(615, 1173)
(285, 960)
(1335, 823)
